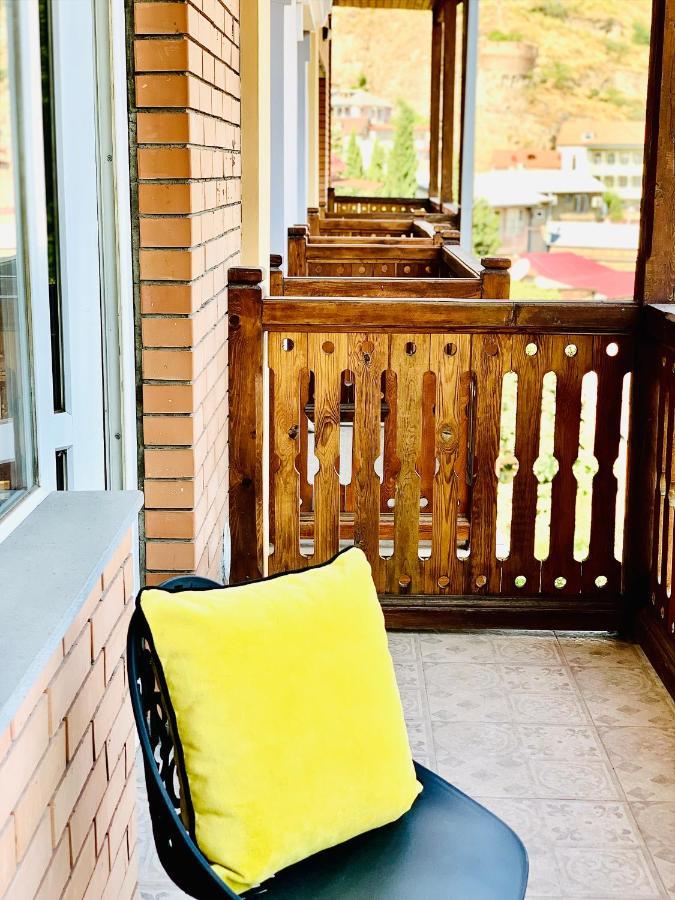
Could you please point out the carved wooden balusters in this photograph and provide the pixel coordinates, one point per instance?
(416, 463)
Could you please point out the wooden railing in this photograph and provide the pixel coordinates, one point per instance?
(652, 498)
(461, 463)
(439, 228)
(408, 258)
(341, 205)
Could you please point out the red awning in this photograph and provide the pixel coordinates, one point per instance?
(578, 272)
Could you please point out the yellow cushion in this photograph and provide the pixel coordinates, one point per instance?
(288, 714)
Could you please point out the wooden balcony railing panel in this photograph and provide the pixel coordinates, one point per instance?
(652, 501)
(410, 468)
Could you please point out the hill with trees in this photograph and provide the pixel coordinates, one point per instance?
(587, 58)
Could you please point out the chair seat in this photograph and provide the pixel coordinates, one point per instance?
(447, 847)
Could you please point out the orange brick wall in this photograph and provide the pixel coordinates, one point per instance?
(186, 105)
(67, 809)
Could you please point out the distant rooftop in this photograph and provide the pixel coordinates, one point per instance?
(594, 235)
(591, 133)
(525, 159)
(570, 270)
(532, 187)
(357, 97)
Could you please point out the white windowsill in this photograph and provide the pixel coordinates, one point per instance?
(48, 566)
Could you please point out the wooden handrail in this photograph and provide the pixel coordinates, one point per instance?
(405, 314)
(423, 288)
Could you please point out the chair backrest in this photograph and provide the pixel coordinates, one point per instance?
(164, 774)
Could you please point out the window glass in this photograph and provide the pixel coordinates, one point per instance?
(611, 159)
(17, 463)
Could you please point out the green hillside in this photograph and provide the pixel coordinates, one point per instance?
(591, 61)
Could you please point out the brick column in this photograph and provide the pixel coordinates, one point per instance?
(188, 194)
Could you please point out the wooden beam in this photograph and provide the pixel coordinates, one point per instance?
(445, 315)
(448, 119)
(655, 275)
(435, 103)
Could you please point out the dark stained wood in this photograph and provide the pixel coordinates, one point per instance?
(655, 274)
(245, 357)
(530, 370)
(495, 278)
(327, 358)
(285, 414)
(445, 572)
(490, 359)
(502, 612)
(610, 370)
(448, 119)
(367, 359)
(320, 313)
(569, 371)
(409, 360)
(297, 250)
(426, 288)
(435, 103)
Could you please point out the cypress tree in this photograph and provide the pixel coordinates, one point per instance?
(354, 158)
(401, 178)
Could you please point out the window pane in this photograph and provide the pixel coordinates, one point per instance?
(17, 468)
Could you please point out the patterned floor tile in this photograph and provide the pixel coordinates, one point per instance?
(593, 649)
(644, 761)
(656, 822)
(624, 696)
(606, 873)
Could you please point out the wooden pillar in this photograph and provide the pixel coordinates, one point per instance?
(435, 106)
(313, 220)
(297, 250)
(246, 476)
(655, 275)
(462, 115)
(448, 118)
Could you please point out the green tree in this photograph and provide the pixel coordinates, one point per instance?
(614, 206)
(485, 229)
(377, 167)
(337, 142)
(401, 180)
(354, 158)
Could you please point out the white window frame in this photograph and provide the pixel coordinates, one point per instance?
(95, 245)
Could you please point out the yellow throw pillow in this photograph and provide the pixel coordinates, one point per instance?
(288, 714)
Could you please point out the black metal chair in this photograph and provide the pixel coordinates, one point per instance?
(447, 847)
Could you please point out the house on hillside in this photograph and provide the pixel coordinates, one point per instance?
(609, 151)
(521, 158)
(356, 103)
(526, 199)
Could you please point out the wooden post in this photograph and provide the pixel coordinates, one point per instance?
(276, 275)
(313, 220)
(465, 35)
(495, 278)
(448, 121)
(330, 202)
(245, 368)
(435, 105)
(655, 274)
(297, 250)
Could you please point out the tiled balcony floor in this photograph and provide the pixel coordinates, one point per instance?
(569, 738)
